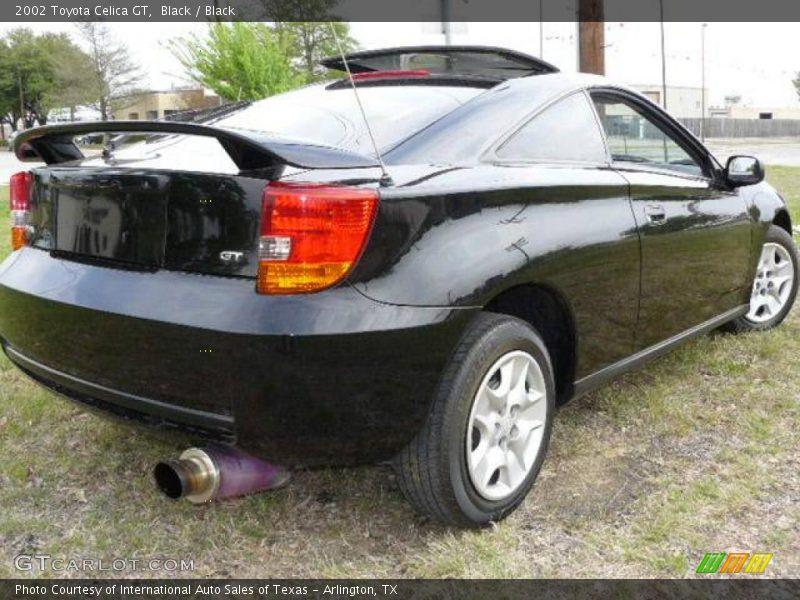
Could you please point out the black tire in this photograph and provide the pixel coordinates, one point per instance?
(775, 235)
(432, 469)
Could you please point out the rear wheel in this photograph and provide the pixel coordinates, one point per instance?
(486, 436)
(775, 285)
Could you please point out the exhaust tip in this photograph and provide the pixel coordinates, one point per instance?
(170, 479)
(198, 474)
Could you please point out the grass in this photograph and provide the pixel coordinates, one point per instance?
(785, 180)
(698, 452)
(5, 240)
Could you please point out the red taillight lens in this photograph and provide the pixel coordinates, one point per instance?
(21, 184)
(311, 235)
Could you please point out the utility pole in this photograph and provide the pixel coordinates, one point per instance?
(591, 37)
(541, 29)
(663, 58)
(703, 82)
(446, 30)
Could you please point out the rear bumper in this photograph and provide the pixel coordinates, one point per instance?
(324, 378)
(127, 407)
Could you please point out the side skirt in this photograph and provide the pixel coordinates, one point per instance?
(595, 380)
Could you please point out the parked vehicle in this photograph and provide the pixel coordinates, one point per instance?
(10, 140)
(265, 279)
(88, 140)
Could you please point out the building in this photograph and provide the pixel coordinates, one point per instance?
(683, 102)
(68, 115)
(151, 106)
(755, 112)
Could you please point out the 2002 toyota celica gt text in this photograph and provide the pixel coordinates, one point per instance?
(261, 281)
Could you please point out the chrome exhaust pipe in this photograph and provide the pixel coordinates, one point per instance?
(204, 474)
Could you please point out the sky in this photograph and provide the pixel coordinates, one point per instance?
(754, 60)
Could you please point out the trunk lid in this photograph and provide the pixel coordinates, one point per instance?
(149, 219)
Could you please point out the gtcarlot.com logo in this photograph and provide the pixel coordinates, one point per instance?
(735, 562)
(45, 562)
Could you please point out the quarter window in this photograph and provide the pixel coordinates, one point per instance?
(565, 131)
(633, 137)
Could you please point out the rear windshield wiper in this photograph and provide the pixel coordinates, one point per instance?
(630, 158)
(196, 115)
(204, 115)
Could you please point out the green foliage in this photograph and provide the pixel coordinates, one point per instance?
(8, 100)
(74, 80)
(250, 61)
(240, 61)
(38, 73)
(311, 41)
(5, 240)
(308, 24)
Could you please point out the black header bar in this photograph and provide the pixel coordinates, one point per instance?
(736, 588)
(394, 10)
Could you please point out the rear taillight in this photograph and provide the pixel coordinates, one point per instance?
(311, 235)
(21, 184)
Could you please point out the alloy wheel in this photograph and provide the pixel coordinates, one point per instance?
(506, 425)
(773, 284)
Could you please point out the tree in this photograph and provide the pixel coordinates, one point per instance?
(308, 23)
(28, 78)
(34, 76)
(311, 41)
(115, 73)
(9, 96)
(796, 82)
(239, 61)
(74, 79)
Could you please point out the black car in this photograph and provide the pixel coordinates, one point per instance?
(265, 279)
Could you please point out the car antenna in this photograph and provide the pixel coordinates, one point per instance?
(386, 179)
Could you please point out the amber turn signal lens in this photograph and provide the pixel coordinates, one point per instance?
(19, 237)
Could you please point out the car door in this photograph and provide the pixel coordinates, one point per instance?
(695, 234)
(543, 208)
(581, 232)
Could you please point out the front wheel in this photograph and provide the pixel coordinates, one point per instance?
(775, 285)
(486, 436)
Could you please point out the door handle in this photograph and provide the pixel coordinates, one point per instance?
(655, 214)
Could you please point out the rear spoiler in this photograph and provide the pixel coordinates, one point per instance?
(488, 62)
(248, 149)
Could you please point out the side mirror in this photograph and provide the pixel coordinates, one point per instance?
(744, 170)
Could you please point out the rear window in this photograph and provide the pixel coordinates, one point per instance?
(332, 117)
(313, 114)
(566, 131)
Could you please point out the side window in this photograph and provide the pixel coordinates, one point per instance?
(565, 131)
(635, 138)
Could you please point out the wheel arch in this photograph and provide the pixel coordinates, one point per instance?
(548, 312)
(783, 220)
